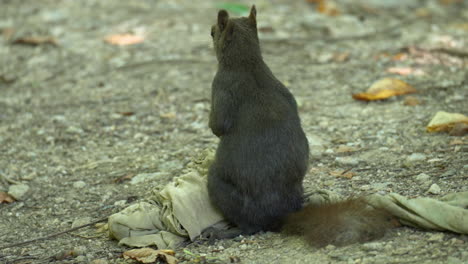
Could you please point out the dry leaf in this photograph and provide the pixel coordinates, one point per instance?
(400, 57)
(170, 115)
(6, 198)
(327, 7)
(8, 33)
(449, 2)
(149, 255)
(343, 174)
(34, 41)
(406, 71)
(123, 178)
(411, 101)
(124, 39)
(101, 227)
(341, 57)
(463, 26)
(459, 130)
(422, 12)
(127, 113)
(384, 89)
(66, 254)
(457, 141)
(344, 149)
(444, 121)
(348, 175)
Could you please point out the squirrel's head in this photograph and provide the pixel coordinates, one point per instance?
(236, 39)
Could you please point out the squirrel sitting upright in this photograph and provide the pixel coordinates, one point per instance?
(262, 157)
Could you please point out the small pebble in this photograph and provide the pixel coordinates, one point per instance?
(434, 189)
(436, 237)
(81, 221)
(18, 191)
(416, 157)
(423, 177)
(99, 261)
(372, 246)
(79, 184)
(347, 160)
(120, 203)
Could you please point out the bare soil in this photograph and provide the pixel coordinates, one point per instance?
(79, 114)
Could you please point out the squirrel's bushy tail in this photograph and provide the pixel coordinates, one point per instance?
(340, 223)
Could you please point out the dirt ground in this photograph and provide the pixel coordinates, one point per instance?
(77, 113)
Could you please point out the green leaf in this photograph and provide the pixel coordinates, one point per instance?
(238, 9)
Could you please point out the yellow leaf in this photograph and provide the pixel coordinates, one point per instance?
(384, 89)
(444, 121)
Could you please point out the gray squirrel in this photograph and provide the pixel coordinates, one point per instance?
(263, 153)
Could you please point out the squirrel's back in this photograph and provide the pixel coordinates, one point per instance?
(256, 177)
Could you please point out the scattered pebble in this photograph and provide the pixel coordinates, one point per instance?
(142, 177)
(59, 200)
(75, 130)
(81, 221)
(18, 191)
(416, 157)
(80, 250)
(448, 173)
(423, 177)
(99, 261)
(434, 189)
(436, 237)
(372, 246)
(120, 203)
(347, 160)
(316, 145)
(79, 184)
(80, 259)
(243, 246)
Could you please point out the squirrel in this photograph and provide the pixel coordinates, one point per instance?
(263, 152)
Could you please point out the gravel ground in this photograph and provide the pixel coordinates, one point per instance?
(77, 113)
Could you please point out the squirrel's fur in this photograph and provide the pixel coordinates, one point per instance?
(262, 157)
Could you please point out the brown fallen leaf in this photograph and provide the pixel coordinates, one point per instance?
(6, 198)
(326, 7)
(35, 41)
(127, 113)
(343, 174)
(400, 56)
(124, 39)
(149, 255)
(459, 130)
(123, 178)
(411, 101)
(444, 121)
(344, 149)
(384, 89)
(7, 33)
(341, 57)
(458, 141)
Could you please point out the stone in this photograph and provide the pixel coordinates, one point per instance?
(18, 191)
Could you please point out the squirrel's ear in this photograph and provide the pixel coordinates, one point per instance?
(253, 15)
(223, 18)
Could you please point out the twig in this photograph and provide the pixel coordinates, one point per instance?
(53, 235)
(452, 52)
